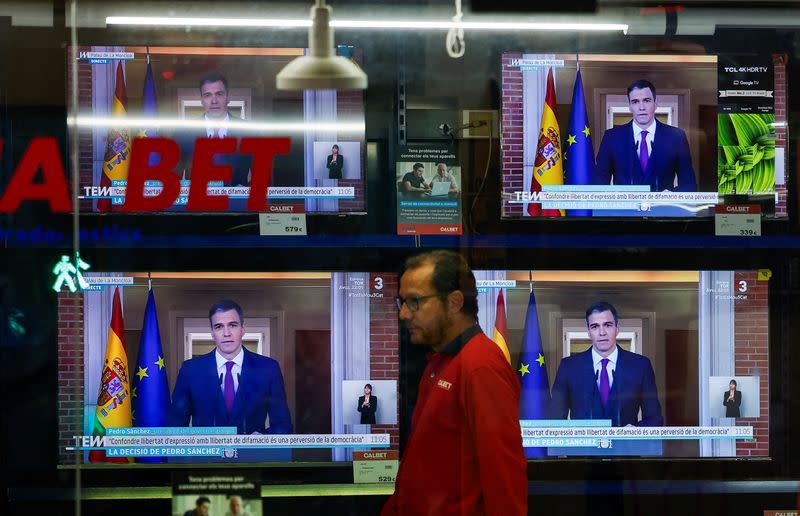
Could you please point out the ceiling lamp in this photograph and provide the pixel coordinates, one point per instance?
(321, 69)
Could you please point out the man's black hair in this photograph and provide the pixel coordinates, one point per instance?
(203, 499)
(418, 165)
(602, 306)
(640, 85)
(211, 78)
(225, 305)
(450, 273)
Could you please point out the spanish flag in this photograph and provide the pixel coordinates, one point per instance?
(118, 142)
(500, 335)
(114, 399)
(547, 167)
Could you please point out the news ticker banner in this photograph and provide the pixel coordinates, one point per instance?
(212, 441)
(613, 197)
(436, 209)
(600, 433)
(116, 192)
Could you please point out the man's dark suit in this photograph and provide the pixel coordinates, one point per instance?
(368, 413)
(732, 407)
(198, 395)
(669, 157)
(240, 163)
(634, 386)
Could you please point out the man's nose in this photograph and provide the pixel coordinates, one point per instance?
(405, 313)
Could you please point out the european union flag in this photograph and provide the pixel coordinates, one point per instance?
(535, 393)
(149, 105)
(150, 386)
(579, 151)
(150, 108)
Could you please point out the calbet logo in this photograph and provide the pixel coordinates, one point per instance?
(444, 384)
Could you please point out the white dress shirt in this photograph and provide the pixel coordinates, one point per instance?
(236, 370)
(215, 131)
(651, 134)
(610, 367)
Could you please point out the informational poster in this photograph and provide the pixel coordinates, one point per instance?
(216, 492)
(746, 125)
(428, 182)
(746, 84)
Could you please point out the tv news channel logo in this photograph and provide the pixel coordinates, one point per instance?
(104, 57)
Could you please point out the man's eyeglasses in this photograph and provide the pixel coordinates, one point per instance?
(412, 302)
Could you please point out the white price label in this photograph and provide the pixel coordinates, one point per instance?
(272, 224)
(737, 220)
(372, 467)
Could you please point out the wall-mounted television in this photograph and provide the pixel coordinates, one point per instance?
(713, 126)
(228, 367)
(188, 94)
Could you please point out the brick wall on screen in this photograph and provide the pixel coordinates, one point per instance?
(752, 357)
(85, 144)
(384, 360)
(511, 140)
(350, 107)
(70, 371)
(779, 61)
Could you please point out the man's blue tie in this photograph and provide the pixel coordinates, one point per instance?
(228, 389)
(605, 388)
(643, 152)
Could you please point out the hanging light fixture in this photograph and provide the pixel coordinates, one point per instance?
(321, 69)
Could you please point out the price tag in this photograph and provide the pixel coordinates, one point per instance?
(737, 220)
(371, 467)
(282, 219)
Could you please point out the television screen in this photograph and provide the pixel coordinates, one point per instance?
(671, 364)
(713, 127)
(188, 94)
(245, 367)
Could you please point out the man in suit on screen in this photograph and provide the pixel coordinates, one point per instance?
(605, 381)
(214, 97)
(645, 151)
(231, 386)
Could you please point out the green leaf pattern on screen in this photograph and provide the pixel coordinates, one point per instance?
(746, 153)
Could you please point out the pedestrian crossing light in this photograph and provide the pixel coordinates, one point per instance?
(65, 270)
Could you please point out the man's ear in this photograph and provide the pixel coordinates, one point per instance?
(455, 301)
